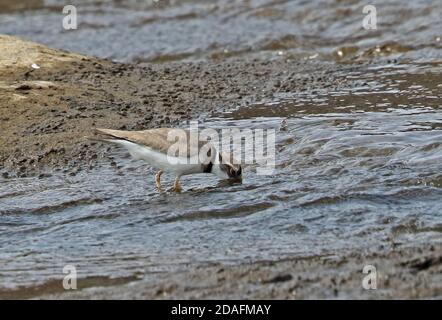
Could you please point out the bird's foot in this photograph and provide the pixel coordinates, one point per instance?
(176, 186)
(158, 180)
(175, 189)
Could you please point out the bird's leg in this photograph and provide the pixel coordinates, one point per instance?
(158, 179)
(176, 185)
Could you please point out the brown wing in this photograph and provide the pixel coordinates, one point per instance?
(160, 139)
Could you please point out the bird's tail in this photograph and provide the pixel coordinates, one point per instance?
(104, 135)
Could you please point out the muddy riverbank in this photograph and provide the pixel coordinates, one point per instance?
(402, 273)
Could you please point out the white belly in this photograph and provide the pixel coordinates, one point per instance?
(159, 160)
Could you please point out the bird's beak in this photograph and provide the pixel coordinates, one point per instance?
(235, 180)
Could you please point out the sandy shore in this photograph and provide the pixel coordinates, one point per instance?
(402, 273)
(51, 100)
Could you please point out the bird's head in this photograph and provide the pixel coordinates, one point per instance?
(226, 167)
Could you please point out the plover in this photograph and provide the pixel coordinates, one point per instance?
(154, 147)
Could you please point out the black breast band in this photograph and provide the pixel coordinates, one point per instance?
(208, 168)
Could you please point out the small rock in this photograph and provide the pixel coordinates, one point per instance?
(23, 87)
(280, 278)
